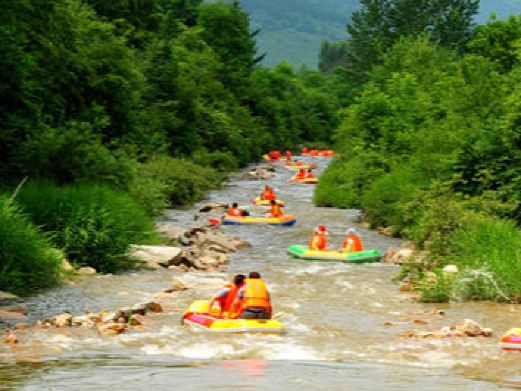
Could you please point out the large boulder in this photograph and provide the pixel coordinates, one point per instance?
(162, 255)
(111, 329)
(86, 271)
(7, 298)
(170, 232)
(8, 316)
(398, 256)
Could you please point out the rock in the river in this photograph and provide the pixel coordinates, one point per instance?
(398, 256)
(153, 307)
(62, 320)
(471, 328)
(213, 207)
(162, 255)
(6, 298)
(82, 321)
(137, 320)
(111, 329)
(8, 316)
(11, 338)
(177, 285)
(19, 308)
(86, 271)
(110, 317)
(150, 266)
(260, 173)
(170, 232)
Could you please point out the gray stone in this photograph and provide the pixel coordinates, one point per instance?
(163, 255)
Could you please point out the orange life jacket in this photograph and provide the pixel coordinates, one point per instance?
(268, 195)
(230, 298)
(256, 295)
(301, 174)
(276, 210)
(236, 212)
(314, 152)
(299, 163)
(309, 175)
(305, 150)
(288, 154)
(318, 242)
(353, 243)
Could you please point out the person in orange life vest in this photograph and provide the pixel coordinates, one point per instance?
(318, 240)
(299, 163)
(253, 299)
(352, 243)
(305, 150)
(314, 152)
(276, 209)
(235, 211)
(301, 174)
(276, 154)
(288, 154)
(309, 175)
(268, 194)
(226, 296)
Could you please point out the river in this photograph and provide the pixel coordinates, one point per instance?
(335, 315)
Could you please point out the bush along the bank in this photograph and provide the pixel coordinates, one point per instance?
(28, 262)
(430, 148)
(93, 224)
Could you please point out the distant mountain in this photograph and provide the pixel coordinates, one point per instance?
(292, 30)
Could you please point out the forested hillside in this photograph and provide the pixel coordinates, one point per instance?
(293, 30)
(112, 111)
(430, 142)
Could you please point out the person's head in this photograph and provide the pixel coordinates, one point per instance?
(310, 170)
(238, 280)
(235, 205)
(266, 187)
(352, 231)
(321, 229)
(273, 202)
(254, 275)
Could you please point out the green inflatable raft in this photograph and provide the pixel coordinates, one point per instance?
(303, 252)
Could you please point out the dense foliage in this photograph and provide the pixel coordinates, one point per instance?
(29, 262)
(430, 146)
(114, 106)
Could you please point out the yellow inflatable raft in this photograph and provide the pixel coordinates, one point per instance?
(287, 220)
(197, 315)
(260, 201)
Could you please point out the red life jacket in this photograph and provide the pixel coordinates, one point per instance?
(268, 195)
(309, 175)
(301, 174)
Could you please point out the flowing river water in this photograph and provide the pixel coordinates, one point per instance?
(343, 323)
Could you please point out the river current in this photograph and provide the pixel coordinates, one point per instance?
(343, 322)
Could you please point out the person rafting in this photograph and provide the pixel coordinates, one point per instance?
(309, 174)
(288, 154)
(318, 241)
(226, 296)
(301, 174)
(352, 242)
(276, 209)
(299, 163)
(253, 299)
(234, 211)
(268, 194)
(305, 150)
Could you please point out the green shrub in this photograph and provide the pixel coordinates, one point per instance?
(344, 181)
(383, 200)
(221, 161)
(93, 224)
(28, 262)
(182, 181)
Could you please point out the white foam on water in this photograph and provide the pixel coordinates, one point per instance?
(377, 305)
(207, 351)
(291, 352)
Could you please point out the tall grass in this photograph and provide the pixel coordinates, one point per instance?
(28, 262)
(93, 224)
